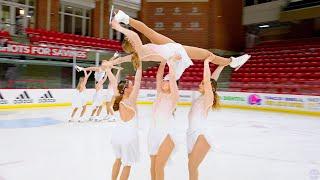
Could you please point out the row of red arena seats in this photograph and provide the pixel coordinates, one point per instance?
(61, 35)
(254, 74)
(294, 49)
(288, 43)
(297, 82)
(275, 63)
(272, 91)
(276, 79)
(284, 48)
(297, 49)
(5, 35)
(282, 56)
(271, 65)
(276, 91)
(280, 86)
(279, 70)
(287, 77)
(272, 79)
(267, 86)
(283, 60)
(308, 57)
(284, 53)
(71, 42)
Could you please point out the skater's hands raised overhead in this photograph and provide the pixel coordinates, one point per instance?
(86, 74)
(108, 65)
(115, 24)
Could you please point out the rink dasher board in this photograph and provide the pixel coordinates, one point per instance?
(30, 98)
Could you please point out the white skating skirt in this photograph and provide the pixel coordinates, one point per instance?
(125, 142)
(78, 99)
(193, 134)
(183, 64)
(98, 99)
(158, 135)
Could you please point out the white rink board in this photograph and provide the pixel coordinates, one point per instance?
(13, 97)
(34, 96)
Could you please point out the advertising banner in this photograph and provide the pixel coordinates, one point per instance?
(45, 97)
(38, 97)
(43, 51)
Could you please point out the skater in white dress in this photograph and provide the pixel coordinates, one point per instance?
(110, 97)
(79, 100)
(98, 99)
(199, 138)
(124, 139)
(162, 134)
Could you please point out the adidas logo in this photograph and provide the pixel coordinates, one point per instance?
(23, 98)
(2, 100)
(47, 98)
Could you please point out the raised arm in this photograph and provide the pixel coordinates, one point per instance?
(215, 75)
(160, 76)
(208, 93)
(132, 36)
(93, 68)
(172, 78)
(120, 60)
(113, 81)
(86, 77)
(118, 75)
(137, 82)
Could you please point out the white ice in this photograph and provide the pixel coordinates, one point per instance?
(250, 145)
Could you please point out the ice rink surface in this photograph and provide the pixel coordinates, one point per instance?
(38, 144)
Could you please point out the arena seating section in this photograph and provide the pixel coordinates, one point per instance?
(275, 67)
(281, 67)
(63, 39)
(5, 35)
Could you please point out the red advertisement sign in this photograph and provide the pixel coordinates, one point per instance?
(43, 51)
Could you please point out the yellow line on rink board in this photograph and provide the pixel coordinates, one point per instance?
(242, 107)
(19, 106)
(29, 106)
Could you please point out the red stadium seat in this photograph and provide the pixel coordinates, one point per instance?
(281, 62)
(51, 37)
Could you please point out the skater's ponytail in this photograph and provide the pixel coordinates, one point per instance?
(216, 99)
(117, 102)
(121, 87)
(128, 48)
(135, 61)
